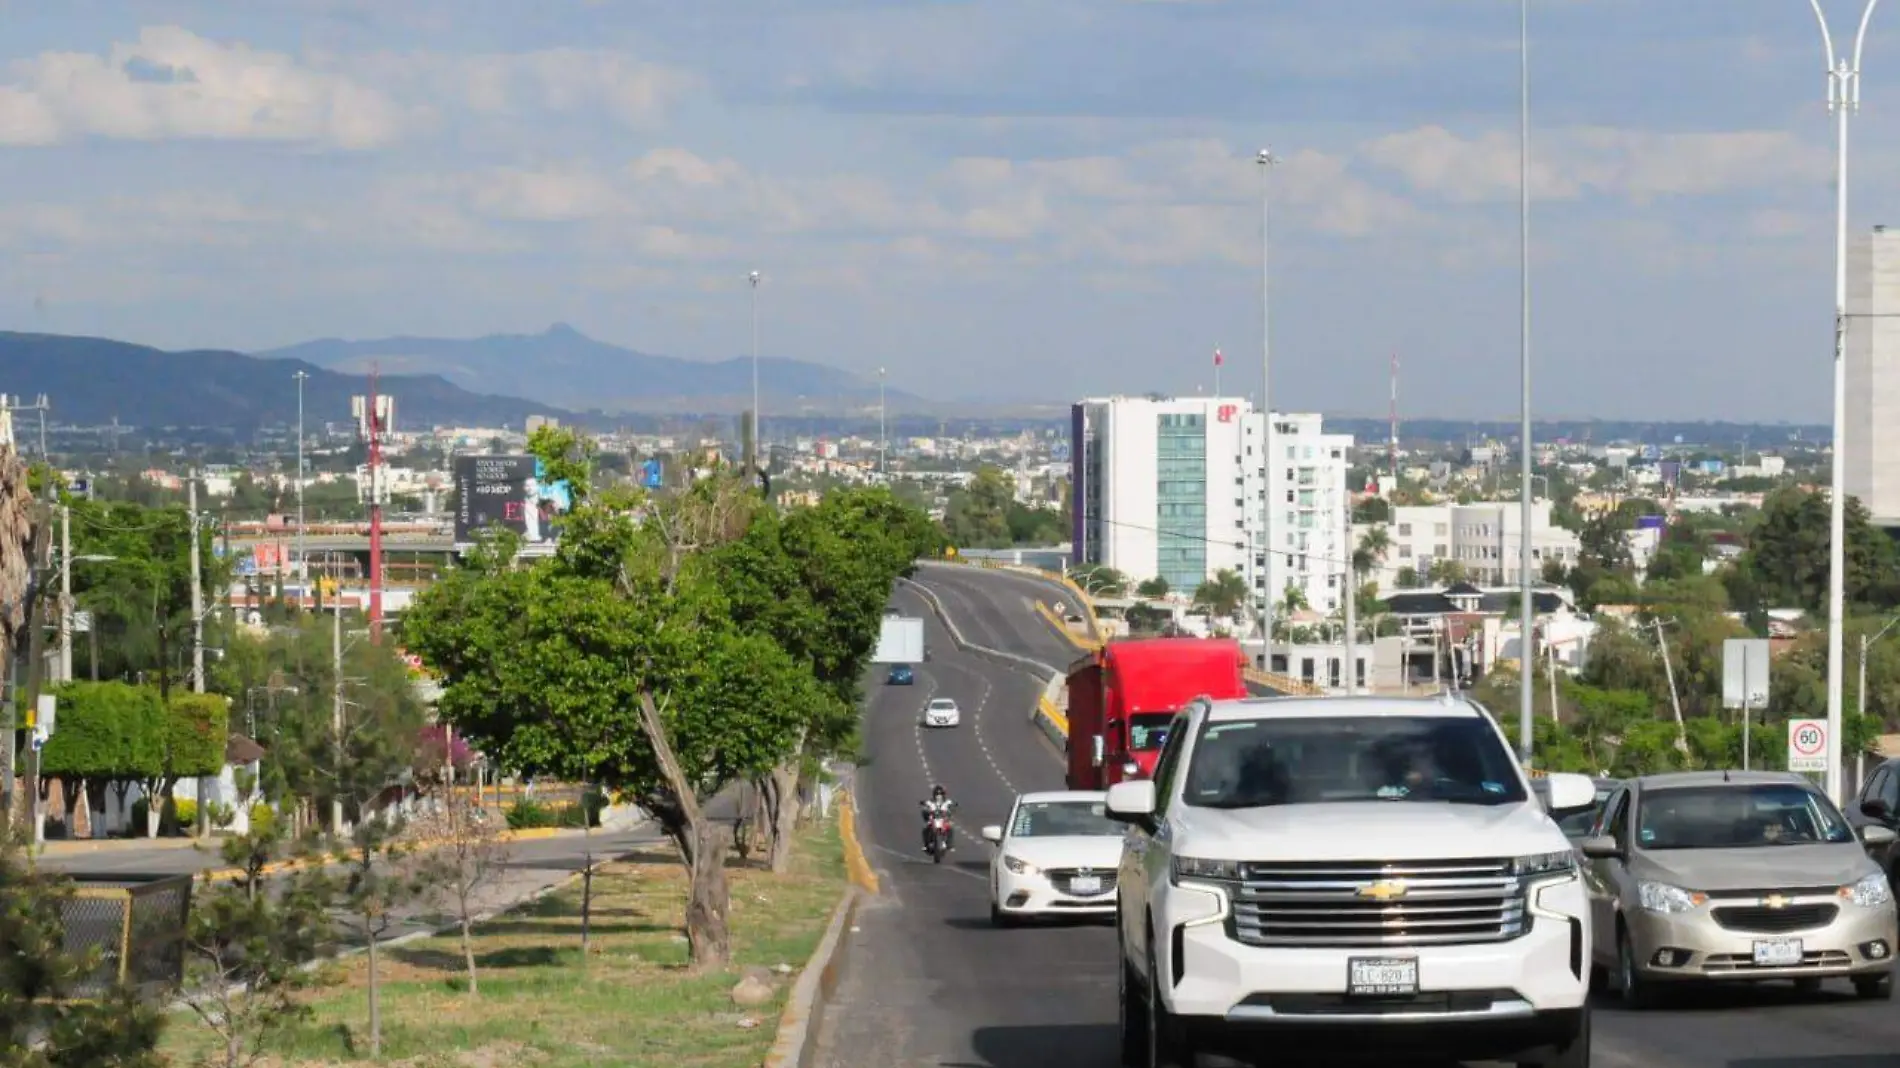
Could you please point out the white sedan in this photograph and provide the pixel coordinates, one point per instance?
(1057, 856)
(942, 712)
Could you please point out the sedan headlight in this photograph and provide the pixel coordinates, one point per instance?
(1664, 898)
(1020, 866)
(1871, 892)
(1542, 865)
(1205, 870)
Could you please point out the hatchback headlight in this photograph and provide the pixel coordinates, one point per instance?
(1020, 866)
(1542, 865)
(1871, 892)
(1664, 898)
(1205, 870)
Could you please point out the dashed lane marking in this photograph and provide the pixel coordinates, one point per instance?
(908, 859)
(976, 720)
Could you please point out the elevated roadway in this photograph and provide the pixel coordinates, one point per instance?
(927, 982)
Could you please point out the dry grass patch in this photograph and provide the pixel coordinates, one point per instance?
(632, 1003)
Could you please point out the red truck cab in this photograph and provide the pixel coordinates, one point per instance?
(1123, 698)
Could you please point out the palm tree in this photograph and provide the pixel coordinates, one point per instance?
(1223, 595)
(1372, 549)
(1156, 587)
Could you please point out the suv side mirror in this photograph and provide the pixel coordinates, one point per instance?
(1568, 792)
(1602, 847)
(1131, 802)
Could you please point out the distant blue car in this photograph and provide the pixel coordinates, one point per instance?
(901, 675)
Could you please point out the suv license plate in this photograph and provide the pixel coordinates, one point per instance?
(1778, 952)
(1381, 976)
(1085, 884)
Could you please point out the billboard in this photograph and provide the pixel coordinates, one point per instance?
(507, 492)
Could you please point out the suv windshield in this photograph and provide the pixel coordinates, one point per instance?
(1737, 816)
(1050, 819)
(1149, 730)
(1253, 763)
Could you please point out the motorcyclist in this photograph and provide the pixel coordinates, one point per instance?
(939, 804)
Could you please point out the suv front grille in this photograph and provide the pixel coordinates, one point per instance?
(1346, 904)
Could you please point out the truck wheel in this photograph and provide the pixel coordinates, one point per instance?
(1168, 1046)
(1133, 1019)
(1573, 1053)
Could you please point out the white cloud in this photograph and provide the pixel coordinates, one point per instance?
(556, 80)
(1572, 163)
(171, 83)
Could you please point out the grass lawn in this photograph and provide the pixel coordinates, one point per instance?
(633, 1004)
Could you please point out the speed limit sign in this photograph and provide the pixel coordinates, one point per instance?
(1807, 745)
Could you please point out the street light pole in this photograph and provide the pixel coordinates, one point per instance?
(754, 458)
(883, 437)
(1843, 98)
(1527, 685)
(65, 593)
(1265, 161)
(301, 564)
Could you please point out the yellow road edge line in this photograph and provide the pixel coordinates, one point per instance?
(855, 864)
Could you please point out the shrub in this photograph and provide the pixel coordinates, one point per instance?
(186, 810)
(526, 814)
(221, 814)
(263, 819)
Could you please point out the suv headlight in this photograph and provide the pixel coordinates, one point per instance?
(1871, 892)
(1543, 865)
(1664, 898)
(1019, 866)
(1204, 870)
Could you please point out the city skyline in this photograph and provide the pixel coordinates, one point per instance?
(1012, 193)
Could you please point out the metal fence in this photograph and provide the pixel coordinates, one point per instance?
(136, 924)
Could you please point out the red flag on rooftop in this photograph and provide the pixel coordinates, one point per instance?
(1218, 359)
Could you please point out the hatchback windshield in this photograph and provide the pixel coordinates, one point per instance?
(1297, 761)
(1737, 816)
(1149, 730)
(1052, 819)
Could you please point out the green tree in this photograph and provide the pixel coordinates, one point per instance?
(1103, 581)
(1222, 596)
(48, 1019)
(137, 587)
(977, 516)
(1156, 587)
(109, 737)
(1786, 564)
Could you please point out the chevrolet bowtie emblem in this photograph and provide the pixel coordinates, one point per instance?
(1383, 890)
(1775, 901)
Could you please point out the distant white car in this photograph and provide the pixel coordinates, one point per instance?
(942, 712)
(1057, 856)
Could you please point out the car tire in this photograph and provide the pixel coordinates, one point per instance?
(1807, 988)
(1873, 987)
(1637, 993)
(1168, 1045)
(1574, 1052)
(999, 918)
(1133, 1018)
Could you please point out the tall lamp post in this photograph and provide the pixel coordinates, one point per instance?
(1843, 98)
(1527, 684)
(883, 437)
(754, 278)
(1265, 161)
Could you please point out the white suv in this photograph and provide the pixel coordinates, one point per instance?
(1340, 870)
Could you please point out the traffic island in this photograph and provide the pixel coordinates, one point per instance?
(634, 1001)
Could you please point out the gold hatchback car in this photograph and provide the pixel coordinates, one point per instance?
(1724, 876)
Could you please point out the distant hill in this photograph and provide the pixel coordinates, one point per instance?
(92, 381)
(562, 366)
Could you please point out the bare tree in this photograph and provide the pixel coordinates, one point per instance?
(465, 858)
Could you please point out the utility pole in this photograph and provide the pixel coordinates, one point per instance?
(754, 277)
(65, 593)
(197, 593)
(28, 697)
(1268, 591)
(303, 567)
(883, 436)
(1351, 591)
(336, 720)
(374, 422)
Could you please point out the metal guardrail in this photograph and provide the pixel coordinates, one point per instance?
(137, 925)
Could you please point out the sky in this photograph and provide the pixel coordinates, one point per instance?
(1016, 199)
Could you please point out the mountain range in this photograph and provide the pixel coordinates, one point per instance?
(565, 368)
(92, 381)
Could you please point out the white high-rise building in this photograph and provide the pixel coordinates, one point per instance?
(1872, 453)
(1173, 488)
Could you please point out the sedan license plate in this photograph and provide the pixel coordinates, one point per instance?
(1381, 976)
(1085, 884)
(1778, 952)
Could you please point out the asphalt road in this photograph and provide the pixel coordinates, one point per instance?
(927, 981)
(997, 609)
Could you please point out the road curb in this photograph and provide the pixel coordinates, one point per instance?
(796, 1044)
(857, 867)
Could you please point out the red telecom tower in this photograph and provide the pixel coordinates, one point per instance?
(374, 426)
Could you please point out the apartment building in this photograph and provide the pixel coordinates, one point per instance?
(1484, 538)
(1871, 438)
(1178, 488)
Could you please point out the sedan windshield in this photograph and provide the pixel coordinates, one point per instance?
(1298, 761)
(1053, 819)
(1737, 816)
(943, 703)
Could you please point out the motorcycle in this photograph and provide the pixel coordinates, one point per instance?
(939, 838)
